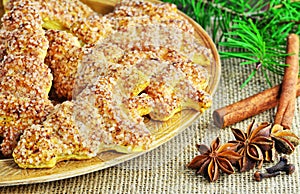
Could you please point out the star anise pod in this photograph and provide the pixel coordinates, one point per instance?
(285, 140)
(214, 159)
(252, 145)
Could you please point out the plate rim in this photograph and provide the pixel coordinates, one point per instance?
(125, 157)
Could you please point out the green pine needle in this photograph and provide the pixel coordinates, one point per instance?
(246, 36)
(255, 29)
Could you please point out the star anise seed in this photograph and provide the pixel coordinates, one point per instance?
(214, 159)
(202, 148)
(252, 145)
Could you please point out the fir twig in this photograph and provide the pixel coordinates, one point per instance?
(256, 28)
(247, 36)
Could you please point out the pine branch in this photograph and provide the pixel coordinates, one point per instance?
(246, 36)
(257, 28)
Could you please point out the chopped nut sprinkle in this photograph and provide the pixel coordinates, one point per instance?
(141, 59)
(63, 57)
(25, 80)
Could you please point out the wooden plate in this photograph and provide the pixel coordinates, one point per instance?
(11, 174)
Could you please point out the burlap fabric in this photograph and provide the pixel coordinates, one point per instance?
(163, 170)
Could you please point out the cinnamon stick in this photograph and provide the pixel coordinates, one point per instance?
(249, 107)
(286, 106)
